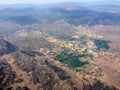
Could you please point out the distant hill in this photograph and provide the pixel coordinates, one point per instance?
(75, 15)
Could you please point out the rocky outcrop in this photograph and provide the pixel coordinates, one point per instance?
(98, 85)
(61, 73)
(42, 72)
(7, 76)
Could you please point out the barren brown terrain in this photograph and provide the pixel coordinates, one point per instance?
(60, 47)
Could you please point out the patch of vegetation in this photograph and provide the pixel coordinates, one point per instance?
(102, 44)
(22, 88)
(67, 38)
(83, 40)
(19, 80)
(85, 54)
(32, 53)
(71, 59)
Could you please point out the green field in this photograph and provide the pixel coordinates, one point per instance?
(71, 59)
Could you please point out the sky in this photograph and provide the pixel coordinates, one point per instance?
(48, 1)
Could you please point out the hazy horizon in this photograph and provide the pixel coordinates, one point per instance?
(54, 1)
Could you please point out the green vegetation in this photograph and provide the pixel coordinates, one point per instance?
(84, 39)
(19, 80)
(32, 53)
(71, 59)
(102, 44)
(67, 38)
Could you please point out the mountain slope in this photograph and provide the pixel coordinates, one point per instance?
(22, 71)
(75, 15)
